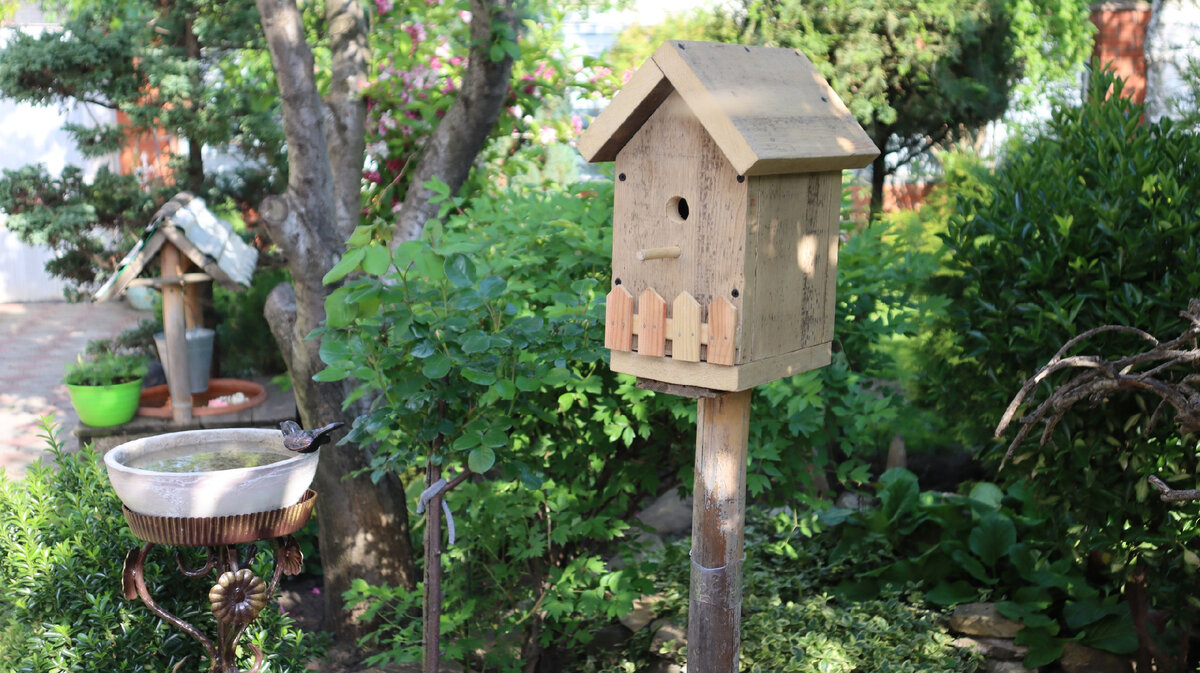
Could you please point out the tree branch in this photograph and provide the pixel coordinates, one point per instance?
(457, 140)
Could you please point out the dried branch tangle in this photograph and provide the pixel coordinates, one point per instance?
(1168, 370)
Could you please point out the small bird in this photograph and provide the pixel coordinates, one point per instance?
(300, 440)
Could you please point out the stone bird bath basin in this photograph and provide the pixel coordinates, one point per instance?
(140, 473)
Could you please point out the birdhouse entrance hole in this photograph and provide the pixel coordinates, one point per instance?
(677, 209)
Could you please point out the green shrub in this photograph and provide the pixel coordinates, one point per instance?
(1097, 222)
(62, 544)
(791, 622)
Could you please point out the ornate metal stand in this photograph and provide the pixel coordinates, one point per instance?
(238, 595)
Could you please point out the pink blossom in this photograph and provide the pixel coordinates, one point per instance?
(373, 176)
(456, 61)
(383, 6)
(317, 591)
(576, 125)
(628, 74)
(417, 31)
(547, 135)
(465, 15)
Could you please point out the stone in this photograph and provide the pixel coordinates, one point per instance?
(643, 613)
(669, 514)
(669, 635)
(994, 666)
(609, 637)
(982, 619)
(1078, 658)
(664, 666)
(992, 648)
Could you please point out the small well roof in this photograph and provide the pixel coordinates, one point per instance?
(768, 109)
(208, 241)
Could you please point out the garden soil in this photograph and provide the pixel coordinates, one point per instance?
(37, 342)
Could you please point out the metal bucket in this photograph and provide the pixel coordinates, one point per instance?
(200, 348)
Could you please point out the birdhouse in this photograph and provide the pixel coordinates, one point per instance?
(725, 220)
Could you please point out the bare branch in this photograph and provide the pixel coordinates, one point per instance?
(1170, 376)
(1168, 494)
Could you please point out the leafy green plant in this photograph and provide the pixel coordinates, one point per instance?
(62, 546)
(1095, 223)
(791, 622)
(105, 369)
(990, 545)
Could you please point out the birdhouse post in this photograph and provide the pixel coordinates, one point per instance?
(725, 237)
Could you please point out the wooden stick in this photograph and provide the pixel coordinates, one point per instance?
(718, 519)
(669, 252)
(179, 382)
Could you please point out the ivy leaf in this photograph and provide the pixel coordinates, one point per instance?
(333, 351)
(338, 311)
(475, 342)
(330, 374)
(460, 270)
(481, 459)
(483, 377)
(376, 260)
(492, 287)
(436, 366)
(349, 262)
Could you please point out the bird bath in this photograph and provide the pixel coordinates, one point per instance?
(215, 489)
(146, 473)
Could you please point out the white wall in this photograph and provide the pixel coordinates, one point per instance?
(1172, 37)
(33, 134)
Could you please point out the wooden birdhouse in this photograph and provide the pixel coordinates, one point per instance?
(725, 222)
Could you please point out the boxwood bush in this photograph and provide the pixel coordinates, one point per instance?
(63, 541)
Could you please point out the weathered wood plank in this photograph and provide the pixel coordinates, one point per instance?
(618, 320)
(685, 328)
(722, 332)
(652, 323)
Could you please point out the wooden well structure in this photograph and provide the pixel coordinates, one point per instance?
(193, 247)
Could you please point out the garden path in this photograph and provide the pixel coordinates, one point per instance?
(37, 341)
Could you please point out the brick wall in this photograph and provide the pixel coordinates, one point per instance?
(1120, 39)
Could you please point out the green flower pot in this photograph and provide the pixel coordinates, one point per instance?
(105, 406)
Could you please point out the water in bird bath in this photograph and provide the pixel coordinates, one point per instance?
(209, 461)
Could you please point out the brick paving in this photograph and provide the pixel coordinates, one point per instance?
(37, 342)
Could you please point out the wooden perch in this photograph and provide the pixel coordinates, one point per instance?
(1166, 370)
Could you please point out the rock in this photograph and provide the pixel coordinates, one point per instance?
(993, 648)
(982, 619)
(855, 501)
(673, 636)
(642, 613)
(994, 666)
(1078, 658)
(609, 637)
(669, 514)
(664, 666)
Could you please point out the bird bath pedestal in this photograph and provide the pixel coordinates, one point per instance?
(218, 509)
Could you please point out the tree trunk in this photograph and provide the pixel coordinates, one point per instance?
(457, 140)
(364, 527)
(878, 174)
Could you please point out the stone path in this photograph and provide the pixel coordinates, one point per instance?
(37, 342)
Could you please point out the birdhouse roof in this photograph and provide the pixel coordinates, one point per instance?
(768, 109)
(209, 242)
